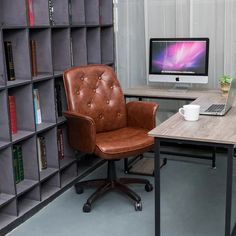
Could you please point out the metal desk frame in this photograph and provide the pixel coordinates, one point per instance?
(229, 181)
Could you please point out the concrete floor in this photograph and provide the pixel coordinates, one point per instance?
(192, 204)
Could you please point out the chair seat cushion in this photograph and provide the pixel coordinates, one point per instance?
(123, 143)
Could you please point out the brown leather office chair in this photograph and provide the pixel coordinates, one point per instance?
(100, 122)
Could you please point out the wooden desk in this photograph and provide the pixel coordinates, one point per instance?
(166, 93)
(213, 131)
(169, 94)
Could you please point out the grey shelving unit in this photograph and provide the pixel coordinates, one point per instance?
(80, 33)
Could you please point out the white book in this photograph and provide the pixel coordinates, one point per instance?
(38, 116)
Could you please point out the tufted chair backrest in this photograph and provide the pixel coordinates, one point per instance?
(94, 91)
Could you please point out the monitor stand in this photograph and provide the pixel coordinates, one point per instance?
(182, 88)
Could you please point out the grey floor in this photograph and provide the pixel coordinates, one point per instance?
(192, 204)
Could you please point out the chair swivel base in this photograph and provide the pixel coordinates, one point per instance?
(105, 185)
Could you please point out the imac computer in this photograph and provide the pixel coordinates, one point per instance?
(183, 61)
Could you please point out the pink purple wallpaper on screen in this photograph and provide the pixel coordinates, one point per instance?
(179, 57)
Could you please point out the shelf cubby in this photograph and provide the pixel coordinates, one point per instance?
(20, 53)
(24, 111)
(42, 38)
(4, 124)
(8, 213)
(94, 45)
(79, 45)
(30, 166)
(47, 173)
(60, 12)
(106, 15)
(91, 12)
(7, 186)
(47, 103)
(40, 13)
(61, 49)
(28, 200)
(51, 153)
(107, 45)
(13, 13)
(77, 12)
(68, 174)
(50, 186)
(69, 154)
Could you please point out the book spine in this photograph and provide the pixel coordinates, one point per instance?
(31, 13)
(15, 164)
(37, 108)
(9, 61)
(20, 162)
(70, 11)
(51, 10)
(58, 99)
(33, 57)
(12, 113)
(71, 51)
(43, 152)
(39, 153)
(60, 144)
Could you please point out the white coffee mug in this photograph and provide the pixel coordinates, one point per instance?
(190, 112)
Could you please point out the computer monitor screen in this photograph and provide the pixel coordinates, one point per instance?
(183, 60)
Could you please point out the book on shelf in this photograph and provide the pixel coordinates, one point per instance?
(15, 164)
(12, 114)
(18, 163)
(42, 154)
(30, 13)
(60, 144)
(71, 51)
(33, 57)
(37, 108)
(9, 61)
(51, 11)
(70, 11)
(58, 99)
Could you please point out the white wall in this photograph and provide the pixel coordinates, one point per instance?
(130, 42)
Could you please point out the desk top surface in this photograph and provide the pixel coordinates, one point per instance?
(213, 129)
(156, 92)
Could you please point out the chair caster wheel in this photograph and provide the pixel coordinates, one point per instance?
(138, 206)
(87, 207)
(148, 187)
(79, 189)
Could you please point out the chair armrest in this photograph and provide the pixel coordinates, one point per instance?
(81, 131)
(142, 114)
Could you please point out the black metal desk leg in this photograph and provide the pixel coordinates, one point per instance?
(229, 190)
(157, 189)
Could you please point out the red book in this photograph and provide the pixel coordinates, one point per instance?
(12, 112)
(31, 13)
